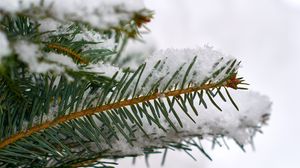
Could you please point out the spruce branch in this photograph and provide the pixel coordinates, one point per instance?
(118, 113)
(108, 107)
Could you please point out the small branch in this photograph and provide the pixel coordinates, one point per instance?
(69, 52)
(103, 108)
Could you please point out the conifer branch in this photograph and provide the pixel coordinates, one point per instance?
(103, 108)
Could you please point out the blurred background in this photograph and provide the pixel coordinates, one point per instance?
(265, 36)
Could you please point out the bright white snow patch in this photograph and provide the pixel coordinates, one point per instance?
(174, 59)
(48, 24)
(30, 54)
(16, 5)
(98, 13)
(62, 60)
(238, 125)
(103, 41)
(103, 69)
(4, 46)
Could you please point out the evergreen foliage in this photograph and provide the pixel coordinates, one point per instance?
(69, 115)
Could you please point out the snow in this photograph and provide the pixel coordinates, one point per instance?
(4, 46)
(98, 13)
(15, 6)
(103, 69)
(172, 59)
(30, 54)
(48, 24)
(236, 124)
(62, 59)
(103, 41)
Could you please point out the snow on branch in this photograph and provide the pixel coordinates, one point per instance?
(240, 126)
(30, 54)
(98, 13)
(4, 46)
(171, 65)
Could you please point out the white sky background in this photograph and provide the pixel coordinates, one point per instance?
(265, 36)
